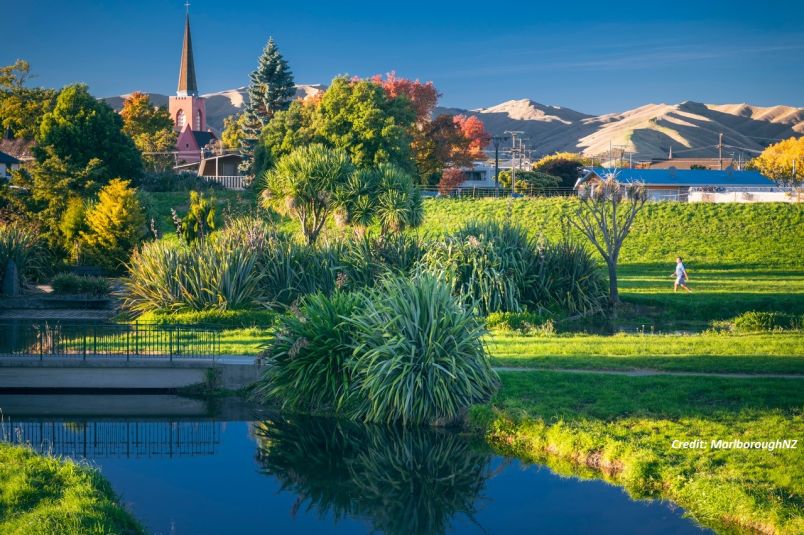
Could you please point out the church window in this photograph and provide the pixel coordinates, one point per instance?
(197, 120)
(181, 120)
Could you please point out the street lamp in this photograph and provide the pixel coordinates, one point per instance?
(496, 140)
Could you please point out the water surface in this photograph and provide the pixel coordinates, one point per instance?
(183, 467)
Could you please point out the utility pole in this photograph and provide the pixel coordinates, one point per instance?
(513, 134)
(720, 151)
(496, 140)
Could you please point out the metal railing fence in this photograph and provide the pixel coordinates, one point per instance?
(117, 340)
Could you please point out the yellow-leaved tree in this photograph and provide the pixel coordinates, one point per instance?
(782, 161)
(115, 224)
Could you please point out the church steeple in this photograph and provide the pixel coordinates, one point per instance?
(187, 83)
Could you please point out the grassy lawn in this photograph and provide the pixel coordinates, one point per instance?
(768, 234)
(735, 353)
(622, 429)
(718, 293)
(45, 495)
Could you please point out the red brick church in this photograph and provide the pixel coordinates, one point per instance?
(187, 109)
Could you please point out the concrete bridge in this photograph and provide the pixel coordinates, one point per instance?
(133, 373)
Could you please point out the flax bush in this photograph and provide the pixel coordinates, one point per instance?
(24, 246)
(498, 267)
(306, 360)
(203, 276)
(486, 264)
(363, 261)
(418, 356)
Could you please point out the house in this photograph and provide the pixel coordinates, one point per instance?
(675, 184)
(480, 175)
(188, 110)
(689, 163)
(8, 163)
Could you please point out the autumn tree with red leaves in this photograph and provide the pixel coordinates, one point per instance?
(474, 131)
(451, 178)
(423, 96)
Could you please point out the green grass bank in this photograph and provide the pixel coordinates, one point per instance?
(622, 429)
(45, 495)
(766, 234)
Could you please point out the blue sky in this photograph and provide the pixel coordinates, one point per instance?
(595, 57)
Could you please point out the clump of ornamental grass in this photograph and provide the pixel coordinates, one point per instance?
(291, 270)
(307, 358)
(418, 354)
(24, 246)
(486, 264)
(204, 275)
(566, 279)
(364, 260)
(155, 270)
(406, 351)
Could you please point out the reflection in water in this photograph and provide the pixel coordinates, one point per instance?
(127, 438)
(402, 480)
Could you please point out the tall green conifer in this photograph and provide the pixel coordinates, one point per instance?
(271, 89)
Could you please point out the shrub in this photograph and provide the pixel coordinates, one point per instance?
(153, 282)
(202, 276)
(418, 356)
(566, 279)
(67, 283)
(486, 264)
(361, 262)
(307, 359)
(24, 246)
(115, 225)
(170, 181)
(765, 321)
(199, 221)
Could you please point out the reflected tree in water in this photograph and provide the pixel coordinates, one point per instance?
(402, 480)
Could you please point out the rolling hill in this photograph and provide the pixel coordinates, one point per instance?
(649, 131)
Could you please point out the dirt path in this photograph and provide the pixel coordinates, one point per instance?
(651, 373)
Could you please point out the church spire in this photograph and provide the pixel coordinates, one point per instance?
(187, 83)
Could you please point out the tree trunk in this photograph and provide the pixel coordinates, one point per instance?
(614, 294)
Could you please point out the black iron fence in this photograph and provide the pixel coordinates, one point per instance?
(470, 192)
(119, 340)
(128, 438)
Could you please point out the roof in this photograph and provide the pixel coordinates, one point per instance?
(8, 159)
(187, 83)
(21, 149)
(686, 163)
(203, 138)
(684, 177)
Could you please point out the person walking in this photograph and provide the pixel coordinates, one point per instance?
(681, 275)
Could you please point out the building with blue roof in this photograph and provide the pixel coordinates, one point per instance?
(676, 183)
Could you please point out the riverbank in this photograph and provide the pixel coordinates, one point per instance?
(45, 495)
(622, 429)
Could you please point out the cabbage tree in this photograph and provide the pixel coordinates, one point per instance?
(305, 184)
(605, 213)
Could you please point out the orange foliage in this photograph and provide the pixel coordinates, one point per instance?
(475, 133)
(423, 96)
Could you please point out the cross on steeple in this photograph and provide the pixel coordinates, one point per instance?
(187, 82)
